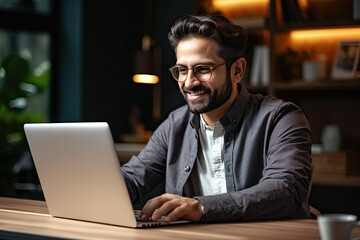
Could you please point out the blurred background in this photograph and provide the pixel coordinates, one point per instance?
(75, 60)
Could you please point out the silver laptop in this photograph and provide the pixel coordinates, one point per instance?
(80, 174)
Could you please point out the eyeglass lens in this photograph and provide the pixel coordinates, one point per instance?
(201, 72)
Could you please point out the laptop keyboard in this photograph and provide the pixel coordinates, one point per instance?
(149, 223)
(137, 215)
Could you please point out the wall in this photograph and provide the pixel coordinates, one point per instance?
(98, 87)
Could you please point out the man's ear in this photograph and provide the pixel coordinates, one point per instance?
(239, 69)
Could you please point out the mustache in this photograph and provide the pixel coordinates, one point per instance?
(195, 89)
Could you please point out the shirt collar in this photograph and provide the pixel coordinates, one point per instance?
(203, 124)
(236, 112)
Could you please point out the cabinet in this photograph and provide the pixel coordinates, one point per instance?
(325, 23)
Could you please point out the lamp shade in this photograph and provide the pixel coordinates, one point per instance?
(144, 68)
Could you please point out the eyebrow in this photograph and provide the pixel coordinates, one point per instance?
(202, 63)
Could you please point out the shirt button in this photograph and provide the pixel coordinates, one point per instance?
(234, 120)
(187, 169)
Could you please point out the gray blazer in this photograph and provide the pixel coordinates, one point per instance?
(267, 156)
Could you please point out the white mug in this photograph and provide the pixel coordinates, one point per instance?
(336, 226)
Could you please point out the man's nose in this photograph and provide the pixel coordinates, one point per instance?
(191, 79)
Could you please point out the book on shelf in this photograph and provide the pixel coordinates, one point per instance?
(292, 13)
(260, 69)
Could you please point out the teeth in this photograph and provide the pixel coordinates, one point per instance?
(197, 93)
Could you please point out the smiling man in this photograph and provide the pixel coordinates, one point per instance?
(227, 155)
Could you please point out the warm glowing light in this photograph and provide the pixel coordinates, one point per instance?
(325, 33)
(145, 78)
(218, 3)
(242, 8)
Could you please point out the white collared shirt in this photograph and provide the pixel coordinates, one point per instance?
(210, 164)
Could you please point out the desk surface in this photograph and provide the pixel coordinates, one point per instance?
(29, 219)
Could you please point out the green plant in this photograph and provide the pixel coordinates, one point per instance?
(18, 84)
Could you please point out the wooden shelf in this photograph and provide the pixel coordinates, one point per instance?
(126, 150)
(310, 25)
(301, 85)
(336, 180)
(330, 84)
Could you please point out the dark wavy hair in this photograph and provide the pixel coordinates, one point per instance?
(231, 38)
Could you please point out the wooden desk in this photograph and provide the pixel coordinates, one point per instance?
(29, 219)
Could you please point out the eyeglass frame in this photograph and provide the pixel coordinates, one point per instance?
(211, 69)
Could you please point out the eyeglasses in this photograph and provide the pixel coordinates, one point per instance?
(202, 72)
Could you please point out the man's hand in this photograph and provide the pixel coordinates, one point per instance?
(172, 206)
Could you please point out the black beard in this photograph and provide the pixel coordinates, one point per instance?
(215, 99)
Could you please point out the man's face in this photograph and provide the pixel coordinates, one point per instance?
(203, 97)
